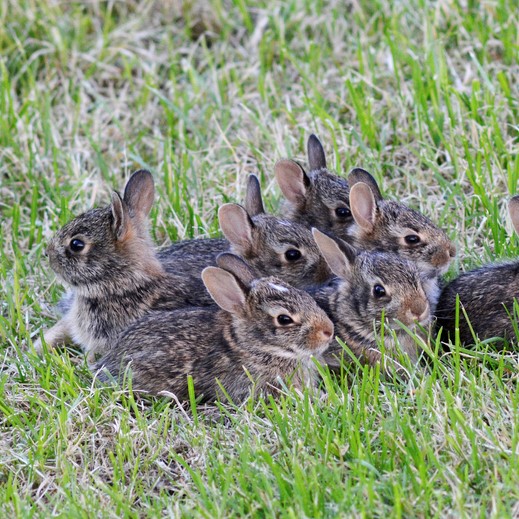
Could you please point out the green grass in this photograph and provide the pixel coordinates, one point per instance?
(422, 94)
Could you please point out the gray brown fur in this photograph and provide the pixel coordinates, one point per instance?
(486, 295)
(116, 278)
(382, 224)
(261, 239)
(313, 198)
(355, 311)
(228, 346)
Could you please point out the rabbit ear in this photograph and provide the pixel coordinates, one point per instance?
(235, 265)
(253, 200)
(361, 175)
(513, 208)
(339, 255)
(363, 206)
(121, 224)
(292, 181)
(236, 226)
(139, 193)
(224, 289)
(316, 157)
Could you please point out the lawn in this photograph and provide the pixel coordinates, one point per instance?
(425, 95)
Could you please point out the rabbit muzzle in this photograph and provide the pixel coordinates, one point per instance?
(321, 335)
(441, 258)
(416, 311)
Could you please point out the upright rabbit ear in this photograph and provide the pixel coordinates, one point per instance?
(340, 258)
(253, 200)
(121, 224)
(236, 226)
(316, 157)
(513, 208)
(361, 175)
(139, 193)
(235, 265)
(363, 206)
(224, 289)
(292, 180)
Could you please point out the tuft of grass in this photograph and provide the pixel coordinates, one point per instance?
(423, 95)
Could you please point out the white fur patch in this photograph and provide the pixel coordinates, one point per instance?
(279, 288)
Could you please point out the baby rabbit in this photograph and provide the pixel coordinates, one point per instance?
(272, 246)
(317, 198)
(107, 258)
(265, 334)
(368, 284)
(378, 224)
(487, 295)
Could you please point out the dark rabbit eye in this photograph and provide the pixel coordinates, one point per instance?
(284, 320)
(292, 255)
(77, 245)
(379, 291)
(412, 239)
(342, 212)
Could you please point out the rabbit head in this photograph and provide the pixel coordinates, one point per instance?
(373, 284)
(269, 314)
(271, 244)
(317, 198)
(391, 226)
(106, 245)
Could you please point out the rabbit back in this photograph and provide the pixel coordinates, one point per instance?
(487, 296)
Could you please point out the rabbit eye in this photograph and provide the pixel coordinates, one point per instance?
(379, 291)
(342, 212)
(77, 245)
(284, 320)
(412, 239)
(292, 255)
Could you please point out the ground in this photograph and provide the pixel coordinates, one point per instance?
(422, 94)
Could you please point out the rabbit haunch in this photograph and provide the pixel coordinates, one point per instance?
(486, 296)
(369, 284)
(264, 335)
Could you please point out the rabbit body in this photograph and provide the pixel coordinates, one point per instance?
(231, 347)
(486, 295)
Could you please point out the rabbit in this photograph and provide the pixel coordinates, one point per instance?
(107, 258)
(317, 198)
(383, 225)
(486, 295)
(269, 244)
(369, 283)
(264, 334)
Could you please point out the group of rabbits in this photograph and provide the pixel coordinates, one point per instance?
(340, 262)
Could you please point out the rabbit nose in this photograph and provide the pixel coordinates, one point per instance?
(452, 250)
(326, 332)
(419, 310)
(441, 258)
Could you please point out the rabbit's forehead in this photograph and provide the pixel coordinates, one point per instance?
(330, 189)
(403, 218)
(274, 293)
(280, 233)
(87, 224)
(389, 269)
